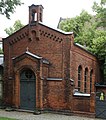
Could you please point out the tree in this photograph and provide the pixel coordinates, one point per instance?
(90, 31)
(83, 28)
(9, 6)
(75, 24)
(100, 10)
(17, 25)
(99, 44)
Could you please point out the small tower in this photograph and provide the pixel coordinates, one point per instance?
(35, 13)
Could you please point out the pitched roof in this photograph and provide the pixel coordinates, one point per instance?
(56, 29)
(84, 48)
(45, 61)
(34, 24)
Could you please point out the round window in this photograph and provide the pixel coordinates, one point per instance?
(28, 74)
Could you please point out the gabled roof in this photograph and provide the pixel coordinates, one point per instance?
(45, 61)
(57, 30)
(34, 24)
(84, 48)
(33, 55)
(28, 53)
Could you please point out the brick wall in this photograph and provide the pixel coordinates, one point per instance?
(81, 104)
(80, 57)
(64, 58)
(47, 43)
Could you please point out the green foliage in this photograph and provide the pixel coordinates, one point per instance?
(9, 6)
(17, 25)
(99, 39)
(100, 9)
(86, 34)
(99, 44)
(4, 118)
(75, 24)
(89, 30)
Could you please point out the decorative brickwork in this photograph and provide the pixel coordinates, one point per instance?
(54, 59)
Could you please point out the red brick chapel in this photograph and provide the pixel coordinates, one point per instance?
(45, 70)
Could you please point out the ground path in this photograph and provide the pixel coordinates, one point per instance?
(44, 116)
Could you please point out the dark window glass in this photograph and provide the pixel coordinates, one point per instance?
(79, 77)
(27, 75)
(91, 73)
(85, 80)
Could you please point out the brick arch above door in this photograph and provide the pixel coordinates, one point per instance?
(35, 64)
(27, 89)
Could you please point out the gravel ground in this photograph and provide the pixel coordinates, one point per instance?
(44, 116)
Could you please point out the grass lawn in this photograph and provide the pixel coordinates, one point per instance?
(4, 118)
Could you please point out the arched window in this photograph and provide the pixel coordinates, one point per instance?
(91, 73)
(85, 79)
(79, 77)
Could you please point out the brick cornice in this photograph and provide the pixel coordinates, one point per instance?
(18, 38)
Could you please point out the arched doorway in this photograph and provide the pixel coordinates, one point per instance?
(27, 90)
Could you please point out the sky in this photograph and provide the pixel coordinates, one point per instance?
(53, 10)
